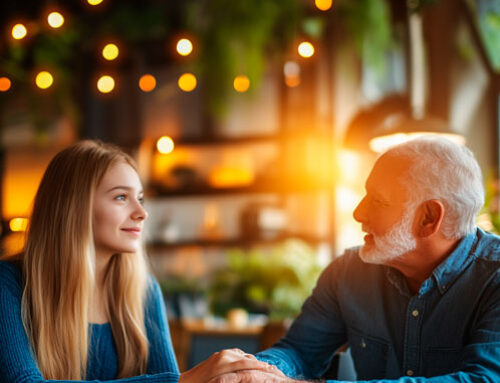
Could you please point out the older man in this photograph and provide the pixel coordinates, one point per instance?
(420, 300)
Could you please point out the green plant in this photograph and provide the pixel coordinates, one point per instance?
(275, 282)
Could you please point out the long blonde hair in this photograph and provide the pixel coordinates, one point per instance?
(59, 270)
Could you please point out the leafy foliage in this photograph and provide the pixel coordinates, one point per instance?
(276, 283)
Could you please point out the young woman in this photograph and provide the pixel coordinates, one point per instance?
(78, 303)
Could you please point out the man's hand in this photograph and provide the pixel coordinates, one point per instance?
(254, 376)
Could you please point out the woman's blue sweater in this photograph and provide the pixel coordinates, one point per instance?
(17, 364)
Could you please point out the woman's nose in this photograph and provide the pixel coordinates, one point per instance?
(140, 213)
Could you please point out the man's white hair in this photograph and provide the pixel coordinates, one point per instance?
(448, 172)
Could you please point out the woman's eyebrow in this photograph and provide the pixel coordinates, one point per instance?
(123, 187)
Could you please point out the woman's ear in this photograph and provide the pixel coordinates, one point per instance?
(430, 215)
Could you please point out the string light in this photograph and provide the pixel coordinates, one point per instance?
(306, 49)
(19, 31)
(323, 5)
(55, 19)
(44, 80)
(165, 145)
(187, 82)
(94, 2)
(4, 84)
(184, 47)
(105, 84)
(241, 83)
(147, 83)
(110, 51)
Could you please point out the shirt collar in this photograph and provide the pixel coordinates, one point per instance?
(454, 265)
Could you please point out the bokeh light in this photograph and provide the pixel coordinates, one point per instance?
(105, 84)
(18, 224)
(44, 80)
(165, 145)
(55, 19)
(187, 82)
(323, 5)
(110, 51)
(19, 31)
(291, 71)
(94, 2)
(4, 84)
(184, 47)
(241, 83)
(147, 83)
(306, 49)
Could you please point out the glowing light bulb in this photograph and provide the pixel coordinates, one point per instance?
(19, 31)
(147, 83)
(165, 145)
(187, 82)
(306, 49)
(105, 84)
(184, 47)
(4, 84)
(110, 51)
(241, 83)
(323, 5)
(55, 19)
(18, 224)
(44, 80)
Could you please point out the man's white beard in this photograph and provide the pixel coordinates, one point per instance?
(397, 242)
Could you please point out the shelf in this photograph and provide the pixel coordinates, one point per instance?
(214, 141)
(235, 242)
(158, 190)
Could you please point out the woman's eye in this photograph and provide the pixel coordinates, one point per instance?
(141, 200)
(121, 197)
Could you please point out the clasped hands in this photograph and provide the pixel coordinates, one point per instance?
(233, 366)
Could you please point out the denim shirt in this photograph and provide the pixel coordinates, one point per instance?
(448, 332)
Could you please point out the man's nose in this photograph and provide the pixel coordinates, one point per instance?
(359, 212)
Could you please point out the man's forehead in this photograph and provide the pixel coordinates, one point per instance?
(389, 176)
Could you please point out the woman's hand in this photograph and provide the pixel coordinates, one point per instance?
(224, 362)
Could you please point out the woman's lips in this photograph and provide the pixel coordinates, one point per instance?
(133, 231)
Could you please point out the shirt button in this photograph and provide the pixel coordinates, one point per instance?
(409, 372)
(363, 344)
(415, 314)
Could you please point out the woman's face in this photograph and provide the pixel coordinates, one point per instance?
(118, 214)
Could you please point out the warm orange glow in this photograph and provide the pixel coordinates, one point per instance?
(147, 83)
(306, 49)
(165, 145)
(110, 51)
(291, 70)
(184, 47)
(383, 143)
(105, 84)
(19, 31)
(187, 82)
(18, 224)
(55, 19)
(4, 84)
(241, 83)
(323, 5)
(94, 2)
(44, 80)
(230, 177)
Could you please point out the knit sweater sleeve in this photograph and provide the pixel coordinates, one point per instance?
(17, 364)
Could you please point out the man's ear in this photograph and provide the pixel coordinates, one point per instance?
(430, 216)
